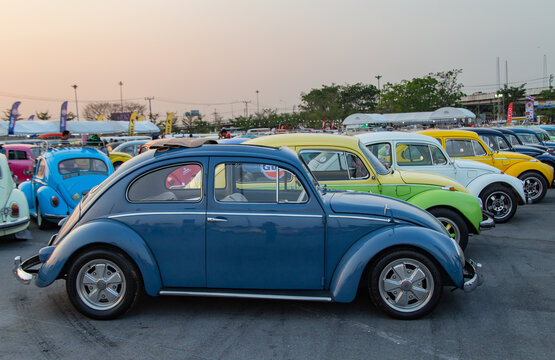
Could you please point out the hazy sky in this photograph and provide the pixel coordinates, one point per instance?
(207, 54)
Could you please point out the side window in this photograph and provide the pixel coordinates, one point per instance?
(478, 148)
(437, 155)
(489, 141)
(413, 155)
(17, 155)
(357, 170)
(41, 168)
(382, 151)
(181, 183)
(326, 164)
(257, 183)
(513, 139)
(459, 147)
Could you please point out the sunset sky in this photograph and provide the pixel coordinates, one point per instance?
(208, 54)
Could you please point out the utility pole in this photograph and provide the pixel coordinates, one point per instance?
(257, 107)
(379, 94)
(246, 108)
(76, 104)
(378, 77)
(149, 99)
(215, 116)
(121, 94)
(550, 80)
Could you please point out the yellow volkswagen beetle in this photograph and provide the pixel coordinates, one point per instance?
(464, 144)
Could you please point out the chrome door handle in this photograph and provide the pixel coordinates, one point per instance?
(215, 219)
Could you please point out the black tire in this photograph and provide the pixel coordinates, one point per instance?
(454, 223)
(117, 164)
(535, 186)
(83, 284)
(500, 201)
(390, 288)
(42, 223)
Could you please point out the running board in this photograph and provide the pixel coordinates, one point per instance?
(320, 296)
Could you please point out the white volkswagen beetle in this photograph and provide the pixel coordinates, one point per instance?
(14, 211)
(500, 193)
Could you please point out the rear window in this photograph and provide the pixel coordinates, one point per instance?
(36, 152)
(17, 155)
(77, 165)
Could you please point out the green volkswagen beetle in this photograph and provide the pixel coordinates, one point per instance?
(342, 163)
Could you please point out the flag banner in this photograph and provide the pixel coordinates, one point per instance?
(323, 124)
(100, 117)
(510, 114)
(529, 111)
(13, 117)
(530, 97)
(132, 120)
(31, 118)
(63, 116)
(169, 121)
(141, 118)
(544, 104)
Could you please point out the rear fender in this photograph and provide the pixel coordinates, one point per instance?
(346, 277)
(517, 169)
(27, 189)
(481, 182)
(99, 233)
(464, 203)
(44, 198)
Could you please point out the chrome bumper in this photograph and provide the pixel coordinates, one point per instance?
(22, 271)
(488, 222)
(12, 224)
(472, 275)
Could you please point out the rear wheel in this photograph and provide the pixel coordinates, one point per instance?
(535, 186)
(42, 223)
(103, 284)
(405, 284)
(500, 201)
(117, 164)
(454, 223)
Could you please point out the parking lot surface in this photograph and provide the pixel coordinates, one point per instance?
(512, 315)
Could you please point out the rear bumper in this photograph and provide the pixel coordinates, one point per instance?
(11, 224)
(472, 275)
(487, 221)
(22, 270)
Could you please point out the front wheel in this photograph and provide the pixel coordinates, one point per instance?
(103, 284)
(405, 284)
(454, 223)
(535, 186)
(499, 201)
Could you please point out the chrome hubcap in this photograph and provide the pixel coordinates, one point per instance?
(499, 204)
(100, 284)
(533, 187)
(406, 285)
(452, 228)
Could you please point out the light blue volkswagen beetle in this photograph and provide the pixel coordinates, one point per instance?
(60, 179)
(253, 222)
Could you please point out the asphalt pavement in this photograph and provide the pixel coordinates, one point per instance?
(511, 316)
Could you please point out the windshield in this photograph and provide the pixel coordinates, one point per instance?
(544, 136)
(376, 164)
(78, 165)
(529, 139)
(551, 132)
(513, 139)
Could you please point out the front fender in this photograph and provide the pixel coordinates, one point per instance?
(466, 204)
(477, 185)
(102, 232)
(44, 196)
(27, 189)
(348, 273)
(517, 169)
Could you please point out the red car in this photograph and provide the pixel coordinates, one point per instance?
(21, 159)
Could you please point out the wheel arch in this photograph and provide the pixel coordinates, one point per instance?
(471, 227)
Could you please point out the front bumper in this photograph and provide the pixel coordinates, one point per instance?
(472, 275)
(23, 271)
(488, 222)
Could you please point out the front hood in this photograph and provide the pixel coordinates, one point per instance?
(475, 165)
(381, 206)
(424, 178)
(512, 156)
(528, 150)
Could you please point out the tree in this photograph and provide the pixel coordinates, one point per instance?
(449, 90)
(43, 115)
(512, 95)
(8, 113)
(418, 94)
(547, 95)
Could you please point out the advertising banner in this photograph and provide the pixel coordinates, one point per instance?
(544, 104)
(510, 114)
(13, 117)
(63, 116)
(31, 118)
(529, 111)
(169, 121)
(132, 120)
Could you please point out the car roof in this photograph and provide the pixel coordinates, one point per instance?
(485, 131)
(394, 135)
(305, 139)
(506, 131)
(449, 133)
(521, 130)
(72, 152)
(20, 146)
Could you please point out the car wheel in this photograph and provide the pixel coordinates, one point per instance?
(117, 164)
(103, 284)
(405, 284)
(500, 201)
(41, 222)
(454, 223)
(535, 186)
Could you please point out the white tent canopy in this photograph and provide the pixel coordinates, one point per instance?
(444, 115)
(356, 120)
(38, 127)
(447, 113)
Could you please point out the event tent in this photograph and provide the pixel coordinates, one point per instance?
(444, 115)
(357, 120)
(38, 127)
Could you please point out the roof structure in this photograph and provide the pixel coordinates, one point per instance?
(37, 127)
(444, 115)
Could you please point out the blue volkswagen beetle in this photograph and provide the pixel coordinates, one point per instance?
(60, 179)
(231, 231)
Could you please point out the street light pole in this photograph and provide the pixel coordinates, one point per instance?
(76, 104)
(121, 94)
(149, 99)
(257, 107)
(378, 77)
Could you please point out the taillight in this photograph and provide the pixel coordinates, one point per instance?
(55, 202)
(15, 210)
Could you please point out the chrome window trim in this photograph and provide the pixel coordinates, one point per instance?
(217, 213)
(151, 213)
(359, 217)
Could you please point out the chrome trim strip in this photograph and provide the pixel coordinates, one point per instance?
(359, 217)
(262, 214)
(245, 295)
(158, 213)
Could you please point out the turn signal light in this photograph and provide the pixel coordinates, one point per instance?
(15, 210)
(55, 202)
